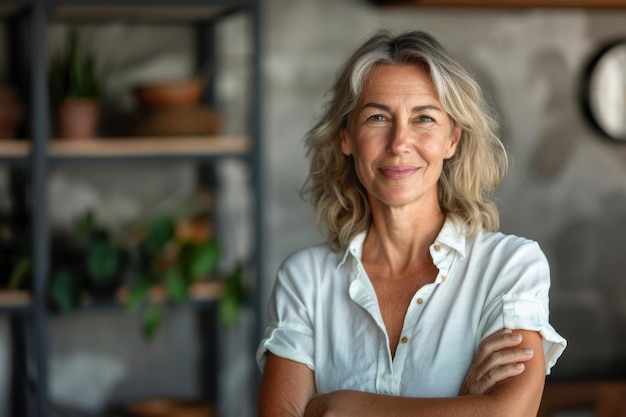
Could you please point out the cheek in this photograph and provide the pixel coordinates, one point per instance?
(435, 151)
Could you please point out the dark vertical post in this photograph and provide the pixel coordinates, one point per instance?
(19, 374)
(17, 50)
(207, 179)
(41, 242)
(258, 176)
(209, 356)
(206, 58)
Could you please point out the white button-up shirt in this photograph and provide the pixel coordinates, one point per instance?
(323, 312)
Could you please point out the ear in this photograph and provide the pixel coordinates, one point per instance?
(345, 142)
(455, 137)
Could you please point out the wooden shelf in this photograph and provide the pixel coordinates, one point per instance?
(145, 147)
(506, 3)
(13, 301)
(135, 13)
(11, 148)
(146, 10)
(201, 292)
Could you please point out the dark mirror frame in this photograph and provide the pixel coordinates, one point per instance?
(588, 104)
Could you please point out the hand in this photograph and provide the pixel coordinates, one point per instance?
(496, 360)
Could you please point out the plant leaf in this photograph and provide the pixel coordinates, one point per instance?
(19, 272)
(233, 300)
(66, 291)
(160, 232)
(103, 260)
(175, 284)
(85, 225)
(205, 259)
(229, 311)
(137, 295)
(152, 321)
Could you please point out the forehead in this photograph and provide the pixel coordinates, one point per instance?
(398, 79)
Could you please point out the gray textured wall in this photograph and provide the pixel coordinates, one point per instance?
(567, 187)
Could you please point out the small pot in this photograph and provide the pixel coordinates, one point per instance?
(77, 118)
(11, 112)
(171, 408)
(168, 94)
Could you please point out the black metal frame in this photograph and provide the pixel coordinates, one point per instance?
(29, 325)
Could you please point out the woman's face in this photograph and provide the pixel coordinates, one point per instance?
(399, 136)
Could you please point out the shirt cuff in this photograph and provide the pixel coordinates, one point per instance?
(527, 314)
(293, 342)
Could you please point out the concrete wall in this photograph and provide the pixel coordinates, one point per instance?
(567, 187)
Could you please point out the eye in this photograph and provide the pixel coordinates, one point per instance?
(425, 119)
(376, 118)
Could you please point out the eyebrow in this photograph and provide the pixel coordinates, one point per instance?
(415, 109)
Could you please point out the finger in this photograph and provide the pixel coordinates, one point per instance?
(498, 374)
(500, 359)
(509, 356)
(500, 340)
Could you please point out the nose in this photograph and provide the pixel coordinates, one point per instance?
(399, 138)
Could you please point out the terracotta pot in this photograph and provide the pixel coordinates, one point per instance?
(151, 408)
(11, 112)
(167, 94)
(77, 118)
(171, 408)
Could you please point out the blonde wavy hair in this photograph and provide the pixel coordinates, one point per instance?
(468, 179)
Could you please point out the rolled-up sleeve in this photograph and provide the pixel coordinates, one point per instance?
(523, 304)
(289, 332)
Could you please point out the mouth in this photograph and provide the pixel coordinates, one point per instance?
(398, 172)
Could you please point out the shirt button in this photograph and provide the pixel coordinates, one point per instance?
(443, 278)
(419, 301)
(437, 248)
(404, 339)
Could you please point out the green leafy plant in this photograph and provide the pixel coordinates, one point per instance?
(73, 71)
(170, 254)
(85, 259)
(173, 254)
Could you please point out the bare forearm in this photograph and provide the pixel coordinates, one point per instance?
(352, 403)
(286, 388)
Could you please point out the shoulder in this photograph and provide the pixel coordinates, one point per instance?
(306, 266)
(312, 255)
(510, 263)
(505, 247)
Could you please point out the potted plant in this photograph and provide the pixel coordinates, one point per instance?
(172, 255)
(11, 111)
(75, 89)
(160, 264)
(87, 260)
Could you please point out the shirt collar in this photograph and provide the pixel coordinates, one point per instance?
(355, 248)
(450, 237)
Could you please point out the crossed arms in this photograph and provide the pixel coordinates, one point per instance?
(505, 379)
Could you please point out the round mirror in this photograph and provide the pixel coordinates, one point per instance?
(605, 91)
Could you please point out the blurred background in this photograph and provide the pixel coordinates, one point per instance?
(566, 188)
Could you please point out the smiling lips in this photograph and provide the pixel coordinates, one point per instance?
(398, 172)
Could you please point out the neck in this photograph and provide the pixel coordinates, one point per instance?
(399, 239)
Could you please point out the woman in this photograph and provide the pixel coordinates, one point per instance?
(387, 318)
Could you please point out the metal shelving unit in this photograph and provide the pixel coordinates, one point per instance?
(28, 22)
